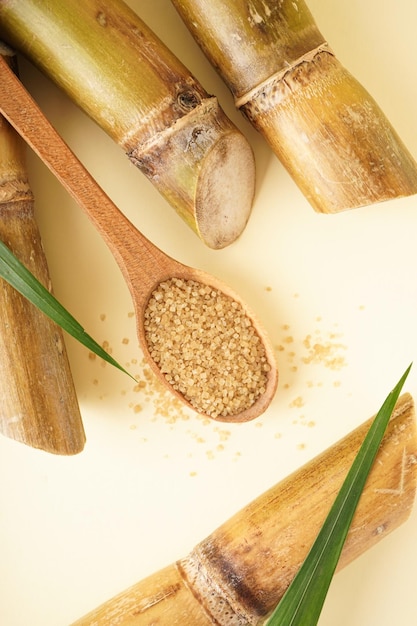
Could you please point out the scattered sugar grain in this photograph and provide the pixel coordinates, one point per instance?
(324, 351)
(297, 402)
(224, 435)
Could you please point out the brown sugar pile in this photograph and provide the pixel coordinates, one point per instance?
(206, 346)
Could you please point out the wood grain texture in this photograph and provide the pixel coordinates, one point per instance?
(143, 265)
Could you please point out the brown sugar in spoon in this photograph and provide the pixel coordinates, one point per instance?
(197, 335)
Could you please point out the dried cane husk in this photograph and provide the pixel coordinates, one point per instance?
(116, 69)
(38, 402)
(238, 574)
(326, 129)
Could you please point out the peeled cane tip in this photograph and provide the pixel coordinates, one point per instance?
(225, 191)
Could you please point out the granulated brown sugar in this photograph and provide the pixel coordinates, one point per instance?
(325, 351)
(297, 402)
(206, 346)
(164, 405)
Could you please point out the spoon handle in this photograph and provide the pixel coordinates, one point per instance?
(142, 264)
(132, 250)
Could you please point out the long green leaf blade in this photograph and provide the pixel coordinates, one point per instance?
(19, 277)
(303, 601)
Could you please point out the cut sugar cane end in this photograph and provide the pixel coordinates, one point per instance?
(225, 191)
(205, 168)
(150, 104)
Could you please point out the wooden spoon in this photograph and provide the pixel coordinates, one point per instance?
(142, 264)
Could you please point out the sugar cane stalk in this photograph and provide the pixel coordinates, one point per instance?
(238, 574)
(322, 124)
(116, 69)
(38, 403)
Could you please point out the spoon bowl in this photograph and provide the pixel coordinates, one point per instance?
(143, 265)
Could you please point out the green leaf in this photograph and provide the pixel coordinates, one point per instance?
(19, 277)
(303, 601)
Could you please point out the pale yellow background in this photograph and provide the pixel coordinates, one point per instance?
(147, 488)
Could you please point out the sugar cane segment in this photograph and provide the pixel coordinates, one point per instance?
(238, 574)
(38, 402)
(322, 124)
(115, 68)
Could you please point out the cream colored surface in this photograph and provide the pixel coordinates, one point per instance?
(337, 295)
